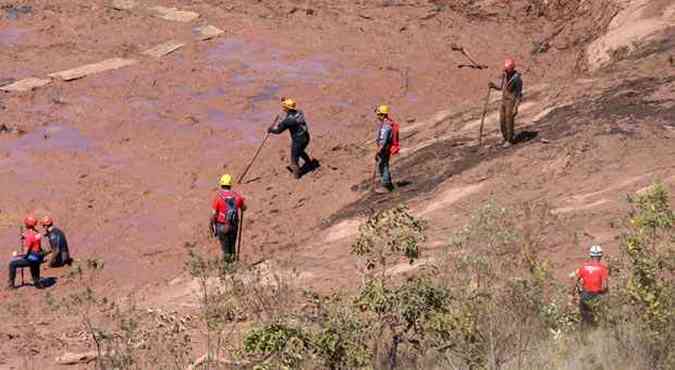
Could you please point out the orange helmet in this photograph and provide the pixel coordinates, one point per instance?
(509, 65)
(47, 221)
(29, 221)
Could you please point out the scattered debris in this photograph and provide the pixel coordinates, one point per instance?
(539, 47)
(173, 14)
(6, 81)
(77, 358)
(207, 359)
(106, 65)
(207, 32)
(474, 64)
(123, 4)
(164, 49)
(26, 84)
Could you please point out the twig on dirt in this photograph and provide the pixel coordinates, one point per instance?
(474, 64)
(204, 358)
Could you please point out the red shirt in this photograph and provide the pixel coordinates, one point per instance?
(219, 203)
(593, 275)
(31, 241)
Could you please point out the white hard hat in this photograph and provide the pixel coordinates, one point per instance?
(595, 251)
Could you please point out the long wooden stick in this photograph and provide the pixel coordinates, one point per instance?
(267, 135)
(482, 120)
(239, 235)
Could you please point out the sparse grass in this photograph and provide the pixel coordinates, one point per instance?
(491, 303)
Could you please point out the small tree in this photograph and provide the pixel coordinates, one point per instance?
(642, 292)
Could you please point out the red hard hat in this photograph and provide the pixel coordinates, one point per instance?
(509, 65)
(30, 221)
(47, 221)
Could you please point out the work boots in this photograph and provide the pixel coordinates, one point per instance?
(295, 169)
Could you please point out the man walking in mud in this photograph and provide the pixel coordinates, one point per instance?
(511, 86)
(295, 123)
(227, 207)
(384, 141)
(591, 284)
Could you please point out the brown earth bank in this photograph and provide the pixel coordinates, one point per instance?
(127, 160)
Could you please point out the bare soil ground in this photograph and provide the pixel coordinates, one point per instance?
(127, 160)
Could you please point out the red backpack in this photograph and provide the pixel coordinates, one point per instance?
(395, 146)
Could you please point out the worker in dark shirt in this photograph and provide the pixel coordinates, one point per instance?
(296, 125)
(511, 86)
(60, 255)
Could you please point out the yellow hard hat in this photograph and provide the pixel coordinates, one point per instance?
(382, 109)
(225, 180)
(288, 103)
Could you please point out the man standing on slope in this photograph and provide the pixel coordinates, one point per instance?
(295, 123)
(385, 141)
(591, 283)
(57, 241)
(227, 207)
(511, 86)
(32, 257)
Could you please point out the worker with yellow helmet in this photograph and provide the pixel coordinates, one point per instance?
(296, 125)
(228, 207)
(387, 144)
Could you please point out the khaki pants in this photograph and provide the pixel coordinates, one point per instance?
(507, 116)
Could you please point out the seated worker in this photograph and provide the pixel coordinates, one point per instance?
(33, 254)
(60, 254)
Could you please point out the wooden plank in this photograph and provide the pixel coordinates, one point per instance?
(164, 49)
(89, 69)
(173, 14)
(207, 32)
(26, 84)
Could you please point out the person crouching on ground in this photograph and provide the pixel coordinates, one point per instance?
(60, 255)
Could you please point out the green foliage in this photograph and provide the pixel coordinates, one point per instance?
(649, 247)
(280, 346)
(642, 290)
(393, 232)
(341, 339)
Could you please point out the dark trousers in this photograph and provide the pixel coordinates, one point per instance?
(507, 117)
(228, 240)
(23, 262)
(588, 303)
(298, 147)
(383, 169)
